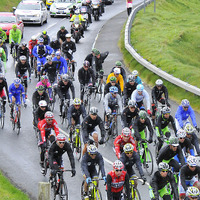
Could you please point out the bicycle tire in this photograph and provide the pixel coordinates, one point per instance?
(82, 190)
(135, 194)
(63, 191)
(18, 120)
(98, 195)
(79, 148)
(100, 92)
(2, 119)
(46, 163)
(18, 130)
(148, 162)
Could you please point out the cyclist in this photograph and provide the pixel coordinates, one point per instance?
(14, 37)
(23, 51)
(38, 95)
(63, 90)
(3, 45)
(116, 180)
(129, 114)
(45, 127)
(119, 78)
(139, 95)
(88, 167)
(63, 63)
(56, 150)
(168, 152)
(139, 126)
(45, 37)
(188, 177)
(123, 139)
(112, 101)
(3, 84)
(3, 35)
(118, 64)
(61, 34)
(21, 68)
(130, 157)
(159, 181)
(137, 78)
(190, 134)
(88, 128)
(31, 45)
(55, 44)
(2, 58)
(192, 193)
(162, 126)
(73, 115)
(182, 114)
(129, 87)
(40, 112)
(15, 90)
(110, 84)
(85, 74)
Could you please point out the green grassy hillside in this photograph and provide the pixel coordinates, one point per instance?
(6, 5)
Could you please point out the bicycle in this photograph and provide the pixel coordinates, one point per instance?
(46, 158)
(59, 186)
(52, 104)
(146, 157)
(99, 92)
(158, 112)
(94, 192)
(2, 114)
(14, 53)
(16, 118)
(65, 107)
(71, 64)
(165, 140)
(76, 141)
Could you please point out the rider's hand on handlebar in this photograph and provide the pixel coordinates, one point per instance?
(73, 172)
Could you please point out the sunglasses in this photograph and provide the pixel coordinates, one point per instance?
(92, 154)
(115, 92)
(86, 66)
(181, 138)
(185, 107)
(77, 105)
(142, 118)
(61, 142)
(164, 170)
(118, 170)
(131, 107)
(192, 166)
(113, 81)
(94, 114)
(49, 119)
(129, 152)
(43, 106)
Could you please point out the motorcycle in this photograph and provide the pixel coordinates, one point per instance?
(75, 30)
(96, 9)
(83, 11)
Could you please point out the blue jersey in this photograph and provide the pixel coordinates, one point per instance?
(63, 65)
(13, 91)
(41, 50)
(138, 80)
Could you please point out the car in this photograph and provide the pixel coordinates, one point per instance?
(61, 8)
(31, 12)
(7, 20)
(49, 3)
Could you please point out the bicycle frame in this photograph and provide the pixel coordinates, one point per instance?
(93, 190)
(77, 136)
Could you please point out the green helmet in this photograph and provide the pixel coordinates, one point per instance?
(44, 32)
(143, 114)
(118, 63)
(95, 51)
(113, 79)
(14, 26)
(174, 141)
(62, 27)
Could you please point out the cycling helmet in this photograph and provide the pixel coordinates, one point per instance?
(40, 40)
(2, 76)
(1, 50)
(24, 44)
(33, 38)
(163, 166)
(95, 51)
(189, 128)
(53, 53)
(192, 192)
(131, 77)
(128, 147)
(62, 28)
(131, 103)
(181, 133)
(126, 131)
(185, 103)
(113, 79)
(40, 88)
(22, 57)
(118, 165)
(93, 111)
(49, 58)
(116, 70)
(44, 32)
(192, 161)
(92, 149)
(49, 115)
(135, 73)
(142, 114)
(68, 35)
(14, 26)
(42, 103)
(77, 101)
(159, 82)
(17, 81)
(166, 110)
(61, 137)
(65, 77)
(58, 53)
(174, 141)
(113, 89)
(118, 63)
(77, 12)
(86, 63)
(44, 78)
(140, 87)
(88, 1)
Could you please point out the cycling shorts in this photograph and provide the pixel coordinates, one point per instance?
(17, 99)
(163, 191)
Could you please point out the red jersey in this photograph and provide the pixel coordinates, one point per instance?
(119, 144)
(43, 127)
(117, 183)
(31, 44)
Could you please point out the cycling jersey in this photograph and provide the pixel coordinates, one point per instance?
(2, 85)
(3, 35)
(47, 86)
(157, 94)
(85, 76)
(128, 90)
(119, 80)
(63, 65)
(68, 49)
(22, 68)
(15, 36)
(46, 39)
(13, 91)
(39, 114)
(63, 90)
(40, 51)
(23, 52)
(88, 164)
(108, 85)
(138, 80)
(55, 45)
(61, 35)
(31, 45)
(36, 98)
(4, 59)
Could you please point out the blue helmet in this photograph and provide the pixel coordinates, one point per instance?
(185, 103)
(140, 87)
(113, 89)
(17, 81)
(40, 40)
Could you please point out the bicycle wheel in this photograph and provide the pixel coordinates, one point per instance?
(97, 195)
(148, 162)
(135, 195)
(2, 119)
(82, 190)
(100, 90)
(63, 191)
(78, 149)
(46, 164)
(18, 121)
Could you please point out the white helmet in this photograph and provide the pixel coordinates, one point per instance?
(135, 72)
(181, 133)
(42, 103)
(192, 192)
(192, 161)
(68, 35)
(117, 70)
(92, 149)
(189, 128)
(33, 38)
(159, 82)
(118, 165)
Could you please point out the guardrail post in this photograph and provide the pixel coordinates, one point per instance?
(43, 191)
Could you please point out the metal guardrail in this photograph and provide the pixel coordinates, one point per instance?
(145, 63)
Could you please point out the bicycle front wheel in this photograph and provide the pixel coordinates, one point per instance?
(2, 119)
(63, 191)
(100, 90)
(78, 149)
(135, 195)
(148, 162)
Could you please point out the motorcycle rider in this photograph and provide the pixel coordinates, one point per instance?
(45, 37)
(61, 34)
(87, 3)
(23, 51)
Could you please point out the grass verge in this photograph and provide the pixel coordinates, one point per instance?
(9, 192)
(6, 6)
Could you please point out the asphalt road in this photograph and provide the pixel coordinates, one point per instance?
(19, 158)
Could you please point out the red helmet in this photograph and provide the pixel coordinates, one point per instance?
(126, 131)
(49, 115)
(118, 165)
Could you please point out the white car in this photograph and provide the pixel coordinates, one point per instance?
(32, 12)
(61, 8)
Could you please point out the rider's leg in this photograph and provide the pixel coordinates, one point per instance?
(153, 113)
(71, 129)
(175, 164)
(13, 102)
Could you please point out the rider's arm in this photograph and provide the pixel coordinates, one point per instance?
(49, 50)
(150, 128)
(104, 56)
(138, 163)
(154, 184)
(101, 127)
(23, 92)
(93, 76)
(136, 129)
(10, 92)
(174, 186)
(69, 115)
(19, 33)
(73, 47)
(17, 68)
(6, 87)
(192, 115)
(106, 102)
(171, 119)
(29, 69)
(83, 111)
(34, 52)
(109, 182)
(55, 127)
(84, 165)
(126, 184)
(121, 82)
(80, 78)
(51, 153)
(159, 124)
(67, 147)
(101, 164)
(49, 90)
(119, 101)
(180, 155)
(133, 95)
(146, 96)
(182, 176)
(41, 127)
(64, 66)
(153, 94)
(123, 119)
(178, 116)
